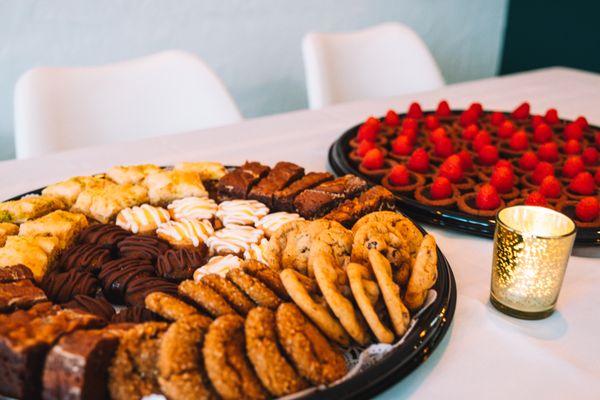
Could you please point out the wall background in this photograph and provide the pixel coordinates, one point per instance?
(254, 45)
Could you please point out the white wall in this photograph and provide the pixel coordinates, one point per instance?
(254, 45)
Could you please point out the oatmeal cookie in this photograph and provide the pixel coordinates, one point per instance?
(206, 298)
(255, 289)
(266, 275)
(170, 307)
(230, 292)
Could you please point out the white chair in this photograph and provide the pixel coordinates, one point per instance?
(385, 60)
(168, 92)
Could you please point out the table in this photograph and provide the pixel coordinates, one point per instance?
(485, 354)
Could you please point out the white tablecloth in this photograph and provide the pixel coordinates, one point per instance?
(485, 354)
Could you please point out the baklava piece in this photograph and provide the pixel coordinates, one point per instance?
(131, 173)
(103, 204)
(63, 225)
(316, 202)
(283, 199)
(29, 207)
(166, 186)
(37, 253)
(68, 190)
(237, 183)
(7, 229)
(207, 170)
(280, 176)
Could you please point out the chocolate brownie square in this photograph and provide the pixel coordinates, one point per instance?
(318, 201)
(26, 338)
(20, 294)
(237, 183)
(15, 273)
(283, 200)
(280, 176)
(375, 199)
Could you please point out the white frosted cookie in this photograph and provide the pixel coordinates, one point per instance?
(193, 208)
(241, 212)
(233, 239)
(271, 222)
(185, 232)
(219, 265)
(143, 219)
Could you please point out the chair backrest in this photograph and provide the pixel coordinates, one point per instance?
(168, 92)
(385, 60)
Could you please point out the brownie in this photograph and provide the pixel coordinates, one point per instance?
(77, 366)
(15, 273)
(237, 183)
(26, 338)
(375, 199)
(316, 202)
(283, 200)
(280, 176)
(20, 294)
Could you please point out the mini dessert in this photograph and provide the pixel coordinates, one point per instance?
(20, 294)
(135, 315)
(374, 164)
(171, 308)
(348, 212)
(137, 289)
(266, 275)
(271, 222)
(97, 306)
(278, 178)
(63, 225)
(484, 203)
(166, 186)
(15, 273)
(107, 236)
(284, 199)
(142, 247)
(7, 229)
(254, 288)
(582, 185)
(233, 239)
(503, 180)
(117, 275)
(230, 292)
(209, 300)
(142, 219)
(131, 173)
(193, 208)
(185, 233)
(401, 180)
(440, 193)
(220, 265)
(318, 201)
(103, 204)
(85, 257)
(61, 287)
(241, 212)
(69, 190)
(207, 170)
(29, 207)
(237, 183)
(585, 212)
(256, 251)
(179, 264)
(36, 253)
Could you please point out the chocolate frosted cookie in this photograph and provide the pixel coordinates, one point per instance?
(135, 315)
(87, 257)
(179, 264)
(93, 305)
(139, 288)
(104, 235)
(142, 247)
(63, 286)
(116, 275)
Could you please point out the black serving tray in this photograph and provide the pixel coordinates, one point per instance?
(452, 219)
(427, 332)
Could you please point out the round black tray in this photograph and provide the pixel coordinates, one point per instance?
(428, 330)
(453, 219)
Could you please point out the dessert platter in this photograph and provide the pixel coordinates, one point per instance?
(458, 168)
(203, 281)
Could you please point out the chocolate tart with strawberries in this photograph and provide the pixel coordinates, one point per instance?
(512, 151)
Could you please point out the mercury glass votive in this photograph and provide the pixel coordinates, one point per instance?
(531, 250)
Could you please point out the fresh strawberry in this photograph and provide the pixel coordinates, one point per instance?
(466, 162)
(583, 184)
(551, 116)
(536, 120)
(373, 159)
(573, 147)
(451, 168)
(506, 130)
(419, 161)
(470, 132)
(551, 187)
(548, 152)
(528, 161)
(573, 166)
(410, 123)
(482, 138)
(542, 170)
(504, 163)
(582, 122)
(367, 131)
(410, 133)
(535, 199)
(441, 188)
(487, 197)
(477, 108)
(497, 118)
(542, 133)
(587, 209)
(573, 131)
(437, 134)
(597, 177)
(488, 155)
(399, 175)
(414, 111)
(502, 179)
(364, 147)
(432, 122)
(522, 111)
(519, 141)
(402, 146)
(468, 117)
(391, 118)
(443, 147)
(590, 156)
(443, 109)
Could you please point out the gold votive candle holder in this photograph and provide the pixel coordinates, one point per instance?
(532, 246)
